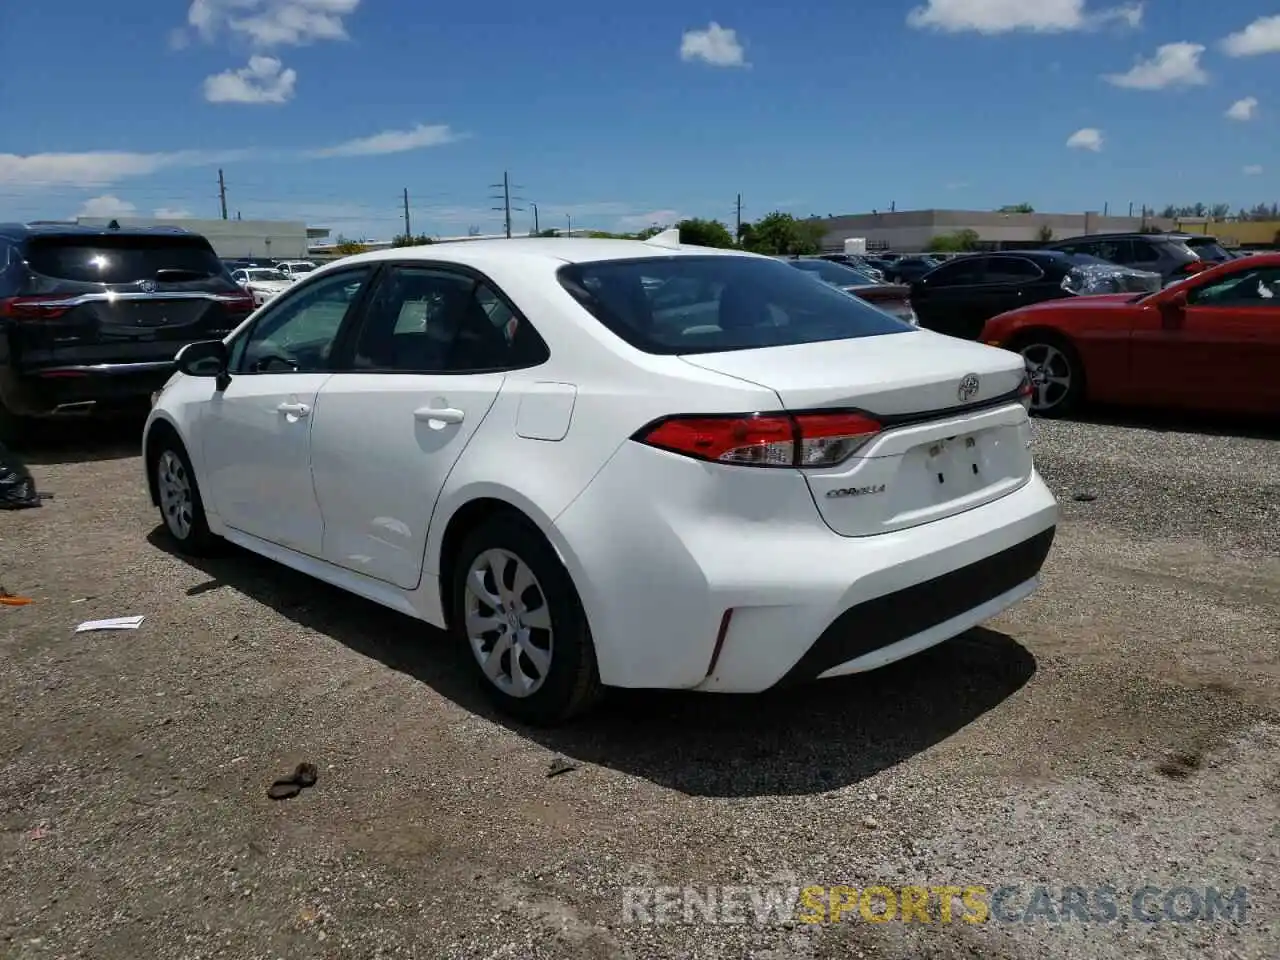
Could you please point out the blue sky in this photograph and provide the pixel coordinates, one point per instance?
(621, 115)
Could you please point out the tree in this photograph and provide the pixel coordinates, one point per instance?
(781, 234)
(705, 233)
(961, 241)
(349, 248)
(1017, 208)
(406, 241)
(1045, 234)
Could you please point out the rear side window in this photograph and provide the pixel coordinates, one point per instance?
(1011, 270)
(123, 259)
(691, 304)
(1208, 249)
(957, 273)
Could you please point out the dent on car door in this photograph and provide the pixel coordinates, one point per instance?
(417, 379)
(255, 433)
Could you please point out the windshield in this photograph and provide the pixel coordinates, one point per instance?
(266, 275)
(693, 304)
(840, 274)
(300, 268)
(121, 259)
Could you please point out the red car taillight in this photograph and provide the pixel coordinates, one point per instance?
(1025, 391)
(241, 302)
(764, 440)
(34, 308)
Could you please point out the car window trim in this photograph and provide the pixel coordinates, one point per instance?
(283, 300)
(342, 357)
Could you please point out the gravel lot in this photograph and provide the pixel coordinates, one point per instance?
(1120, 728)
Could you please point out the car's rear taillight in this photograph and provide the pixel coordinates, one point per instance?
(34, 308)
(1025, 391)
(764, 440)
(1195, 266)
(241, 301)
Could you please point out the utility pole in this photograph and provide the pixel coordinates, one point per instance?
(737, 235)
(408, 228)
(222, 193)
(506, 199)
(569, 217)
(535, 217)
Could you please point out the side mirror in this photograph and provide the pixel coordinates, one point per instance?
(207, 358)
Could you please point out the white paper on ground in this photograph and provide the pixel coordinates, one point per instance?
(115, 623)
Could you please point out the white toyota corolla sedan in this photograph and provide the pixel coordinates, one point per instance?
(613, 463)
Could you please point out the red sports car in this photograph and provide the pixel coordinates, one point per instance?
(1210, 342)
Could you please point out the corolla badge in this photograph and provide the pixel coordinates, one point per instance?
(147, 286)
(968, 387)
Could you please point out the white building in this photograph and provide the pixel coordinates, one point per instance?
(235, 239)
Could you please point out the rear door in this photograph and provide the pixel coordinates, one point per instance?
(255, 435)
(416, 381)
(1009, 282)
(127, 298)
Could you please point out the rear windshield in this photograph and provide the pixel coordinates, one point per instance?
(1208, 249)
(124, 259)
(838, 273)
(684, 305)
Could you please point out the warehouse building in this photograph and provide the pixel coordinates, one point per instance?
(236, 239)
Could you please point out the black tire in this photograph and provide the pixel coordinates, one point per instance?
(572, 682)
(192, 538)
(1035, 346)
(13, 428)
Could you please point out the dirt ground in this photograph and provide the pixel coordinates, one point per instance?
(1121, 728)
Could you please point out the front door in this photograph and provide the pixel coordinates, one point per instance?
(424, 370)
(255, 435)
(1220, 352)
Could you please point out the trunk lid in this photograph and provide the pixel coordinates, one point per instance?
(943, 449)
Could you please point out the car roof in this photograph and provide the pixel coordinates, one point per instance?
(50, 228)
(1180, 237)
(551, 250)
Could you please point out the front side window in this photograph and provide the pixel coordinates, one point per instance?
(297, 334)
(958, 273)
(708, 304)
(427, 320)
(1248, 288)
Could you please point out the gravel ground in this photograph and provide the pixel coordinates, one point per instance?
(1121, 728)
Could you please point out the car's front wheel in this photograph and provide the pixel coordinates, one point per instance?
(1056, 374)
(178, 496)
(516, 610)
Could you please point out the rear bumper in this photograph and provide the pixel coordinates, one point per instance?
(82, 388)
(658, 572)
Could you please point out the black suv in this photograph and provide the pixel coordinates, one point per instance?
(1168, 254)
(91, 317)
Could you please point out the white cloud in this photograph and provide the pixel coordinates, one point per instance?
(98, 168)
(715, 45)
(1261, 36)
(1253, 170)
(391, 141)
(172, 213)
(1243, 109)
(272, 23)
(1086, 138)
(1008, 16)
(1174, 65)
(264, 80)
(639, 221)
(107, 205)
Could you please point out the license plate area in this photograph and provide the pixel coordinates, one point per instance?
(956, 464)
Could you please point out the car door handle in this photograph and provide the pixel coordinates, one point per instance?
(442, 414)
(295, 409)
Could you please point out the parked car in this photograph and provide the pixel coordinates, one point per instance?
(859, 263)
(892, 298)
(91, 317)
(263, 282)
(295, 269)
(960, 296)
(762, 480)
(1210, 342)
(1167, 254)
(909, 269)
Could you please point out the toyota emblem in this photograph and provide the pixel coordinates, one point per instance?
(147, 286)
(968, 387)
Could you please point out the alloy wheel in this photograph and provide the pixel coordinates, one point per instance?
(174, 486)
(1050, 372)
(508, 622)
